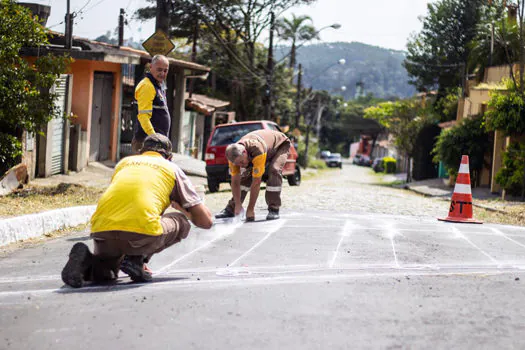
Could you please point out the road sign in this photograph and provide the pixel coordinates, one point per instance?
(158, 44)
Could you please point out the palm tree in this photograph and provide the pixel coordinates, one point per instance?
(296, 29)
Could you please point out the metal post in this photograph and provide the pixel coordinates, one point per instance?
(68, 34)
(298, 98)
(162, 20)
(121, 28)
(269, 74)
(194, 53)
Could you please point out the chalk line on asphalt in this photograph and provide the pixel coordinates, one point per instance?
(459, 234)
(274, 229)
(345, 232)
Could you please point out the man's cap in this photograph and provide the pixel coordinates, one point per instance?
(157, 142)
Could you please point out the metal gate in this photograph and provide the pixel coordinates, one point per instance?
(57, 125)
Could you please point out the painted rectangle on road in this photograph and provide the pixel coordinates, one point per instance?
(365, 247)
(436, 249)
(296, 245)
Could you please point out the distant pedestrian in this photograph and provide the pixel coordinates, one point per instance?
(247, 159)
(153, 114)
(130, 223)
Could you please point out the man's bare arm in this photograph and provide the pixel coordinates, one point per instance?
(254, 194)
(199, 214)
(236, 191)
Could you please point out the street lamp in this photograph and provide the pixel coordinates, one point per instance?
(318, 118)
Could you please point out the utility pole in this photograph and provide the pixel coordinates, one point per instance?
(269, 69)
(68, 34)
(121, 28)
(298, 98)
(194, 52)
(162, 20)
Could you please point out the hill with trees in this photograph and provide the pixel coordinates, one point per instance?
(377, 70)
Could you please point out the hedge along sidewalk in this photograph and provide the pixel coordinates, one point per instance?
(35, 225)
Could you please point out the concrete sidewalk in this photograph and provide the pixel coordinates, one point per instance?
(482, 197)
(94, 175)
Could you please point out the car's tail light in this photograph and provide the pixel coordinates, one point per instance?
(209, 156)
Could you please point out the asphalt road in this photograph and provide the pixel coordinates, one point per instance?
(359, 269)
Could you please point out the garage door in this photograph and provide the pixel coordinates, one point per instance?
(57, 123)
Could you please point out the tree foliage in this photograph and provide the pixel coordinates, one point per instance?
(496, 41)
(294, 30)
(232, 30)
(404, 119)
(467, 137)
(506, 111)
(343, 122)
(439, 53)
(25, 100)
(510, 176)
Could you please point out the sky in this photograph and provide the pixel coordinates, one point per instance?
(384, 23)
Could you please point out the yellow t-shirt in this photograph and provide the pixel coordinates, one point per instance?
(138, 195)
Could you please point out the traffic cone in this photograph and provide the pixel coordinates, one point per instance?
(461, 205)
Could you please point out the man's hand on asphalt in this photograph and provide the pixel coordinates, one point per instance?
(238, 210)
(250, 212)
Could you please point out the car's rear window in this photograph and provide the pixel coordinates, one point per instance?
(232, 133)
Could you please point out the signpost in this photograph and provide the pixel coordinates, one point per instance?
(158, 44)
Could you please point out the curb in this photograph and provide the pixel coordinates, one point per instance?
(449, 198)
(34, 225)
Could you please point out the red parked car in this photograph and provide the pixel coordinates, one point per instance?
(223, 135)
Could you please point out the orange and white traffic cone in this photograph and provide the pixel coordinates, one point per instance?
(461, 205)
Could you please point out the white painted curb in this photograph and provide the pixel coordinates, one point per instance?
(34, 225)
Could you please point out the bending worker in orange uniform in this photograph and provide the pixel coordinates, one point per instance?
(153, 115)
(247, 159)
(130, 223)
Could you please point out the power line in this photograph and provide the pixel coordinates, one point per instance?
(54, 25)
(92, 7)
(83, 7)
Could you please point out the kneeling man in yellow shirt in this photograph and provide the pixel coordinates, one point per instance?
(129, 224)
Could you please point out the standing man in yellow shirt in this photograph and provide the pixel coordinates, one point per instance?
(130, 218)
(153, 115)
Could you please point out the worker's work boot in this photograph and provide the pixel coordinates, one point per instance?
(105, 269)
(78, 265)
(133, 265)
(225, 213)
(273, 214)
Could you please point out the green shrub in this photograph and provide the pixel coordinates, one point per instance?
(506, 111)
(389, 164)
(10, 152)
(468, 137)
(316, 163)
(510, 176)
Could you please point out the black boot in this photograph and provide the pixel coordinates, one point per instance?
(133, 265)
(273, 214)
(79, 263)
(105, 269)
(225, 213)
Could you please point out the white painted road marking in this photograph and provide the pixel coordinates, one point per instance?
(280, 224)
(228, 230)
(462, 236)
(346, 232)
